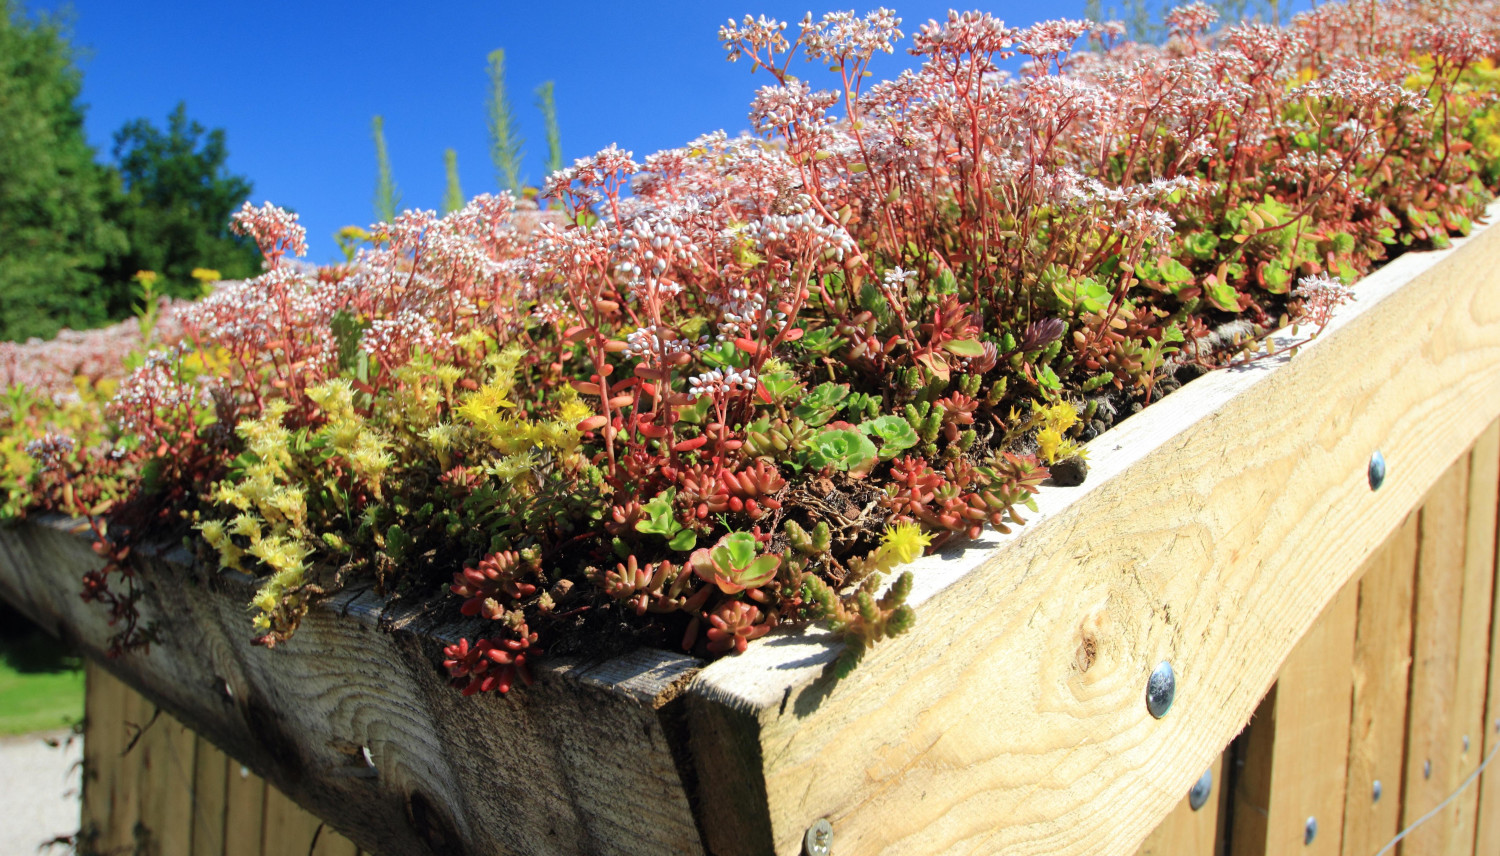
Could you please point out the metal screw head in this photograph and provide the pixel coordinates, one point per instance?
(819, 838)
(1310, 831)
(1375, 795)
(1377, 470)
(1466, 742)
(1427, 769)
(1161, 689)
(1198, 796)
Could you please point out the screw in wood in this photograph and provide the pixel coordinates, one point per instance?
(1466, 742)
(819, 838)
(1377, 470)
(1310, 831)
(1375, 792)
(1427, 769)
(1198, 796)
(1161, 689)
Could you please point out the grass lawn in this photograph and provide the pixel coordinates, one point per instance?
(41, 685)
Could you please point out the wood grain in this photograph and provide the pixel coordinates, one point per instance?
(1487, 836)
(1215, 527)
(578, 763)
(1382, 663)
(1472, 678)
(210, 798)
(1431, 769)
(244, 812)
(1186, 832)
(1297, 767)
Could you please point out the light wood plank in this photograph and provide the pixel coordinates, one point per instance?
(104, 696)
(210, 795)
(287, 829)
(166, 784)
(1472, 677)
(1186, 832)
(1382, 663)
(1431, 757)
(245, 809)
(1305, 767)
(1219, 527)
(1487, 836)
(122, 833)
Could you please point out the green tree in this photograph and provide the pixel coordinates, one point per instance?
(55, 236)
(178, 197)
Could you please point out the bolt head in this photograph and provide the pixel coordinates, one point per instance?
(1377, 470)
(1202, 788)
(1427, 769)
(1310, 831)
(819, 838)
(1375, 792)
(1466, 742)
(1161, 689)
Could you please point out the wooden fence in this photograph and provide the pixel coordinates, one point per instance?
(1377, 718)
(154, 788)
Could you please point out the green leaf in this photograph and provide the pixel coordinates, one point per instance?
(964, 347)
(1222, 295)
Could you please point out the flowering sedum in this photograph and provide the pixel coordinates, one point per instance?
(743, 382)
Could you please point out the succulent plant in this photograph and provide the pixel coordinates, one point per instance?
(732, 564)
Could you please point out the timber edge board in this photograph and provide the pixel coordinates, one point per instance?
(1051, 635)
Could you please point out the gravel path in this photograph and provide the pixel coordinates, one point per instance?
(39, 790)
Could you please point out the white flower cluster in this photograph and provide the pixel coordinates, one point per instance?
(717, 383)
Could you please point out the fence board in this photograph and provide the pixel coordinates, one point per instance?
(244, 817)
(1299, 744)
(1431, 765)
(1487, 836)
(1474, 634)
(164, 759)
(210, 795)
(1186, 832)
(1382, 662)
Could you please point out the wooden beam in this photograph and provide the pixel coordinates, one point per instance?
(1382, 663)
(354, 718)
(1214, 528)
(1487, 836)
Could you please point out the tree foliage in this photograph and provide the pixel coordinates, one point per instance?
(54, 198)
(178, 197)
(76, 231)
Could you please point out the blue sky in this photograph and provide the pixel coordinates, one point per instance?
(295, 85)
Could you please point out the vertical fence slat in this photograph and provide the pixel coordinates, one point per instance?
(1382, 658)
(103, 696)
(1186, 832)
(1474, 634)
(244, 811)
(1487, 834)
(1297, 749)
(210, 782)
(1431, 760)
(120, 833)
(166, 782)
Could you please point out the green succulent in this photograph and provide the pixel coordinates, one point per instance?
(732, 564)
(843, 449)
(896, 435)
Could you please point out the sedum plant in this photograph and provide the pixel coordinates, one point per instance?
(741, 383)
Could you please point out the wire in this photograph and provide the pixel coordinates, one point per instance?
(1442, 805)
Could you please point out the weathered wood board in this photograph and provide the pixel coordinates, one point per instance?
(578, 763)
(1215, 527)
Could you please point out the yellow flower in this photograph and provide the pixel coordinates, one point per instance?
(903, 543)
(206, 275)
